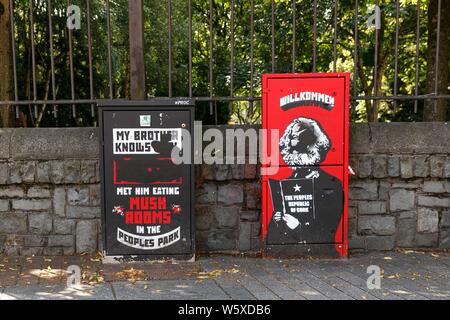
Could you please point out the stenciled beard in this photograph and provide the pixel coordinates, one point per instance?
(304, 143)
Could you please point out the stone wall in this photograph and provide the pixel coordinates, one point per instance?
(50, 200)
(400, 196)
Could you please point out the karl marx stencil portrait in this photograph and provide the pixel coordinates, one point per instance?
(307, 206)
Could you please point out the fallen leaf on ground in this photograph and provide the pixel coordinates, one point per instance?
(132, 275)
(216, 273)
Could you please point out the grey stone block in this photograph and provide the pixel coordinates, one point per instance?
(203, 217)
(59, 202)
(88, 171)
(22, 172)
(4, 205)
(380, 243)
(421, 168)
(435, 186)
(250, 171)
(86, 236)
(406, 214)
(13, 222)
(68, 251)
(5, 141)
(256, 244)
(445, 220)
(53, 251)
(4, 172)
(406, 230)
(38, 192)
(352, 227)
(406, 167)
(34, 241)
(363, 190)
(72, 171)
(244, 242)
(76, 212)
(78, 196)
(364, 166)
(429, 201)
(12, 192)
(380, 166)
(226, 217)
(359, 135)
(54, 143)
(31, 205)
(379, 225)
(428, 240)
(63, 226)
(43, 172)
(237, 171)
(383, 190)
(207, 172)
(393, 166)
(421, 137)
(410, 184)
(401, 200)
(40, 223)
(217, 240)
(61, 241)
(252, 193)
(230, 194)
(352, 212)
(437, 163)
(207, 193)
(427, 220)
(447, 167)
(444, 239)
(222, 172)
(95, 195)
(371, 207)
(31, 251)
(57, 172)
(357, 243)
(251, 216)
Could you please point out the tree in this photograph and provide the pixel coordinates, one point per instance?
(436, 110)
(6, 116)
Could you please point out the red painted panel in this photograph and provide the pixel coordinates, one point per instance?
(311, 113)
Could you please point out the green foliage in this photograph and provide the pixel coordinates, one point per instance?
(157, 51)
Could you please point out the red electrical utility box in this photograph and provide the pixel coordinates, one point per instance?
(305, 187)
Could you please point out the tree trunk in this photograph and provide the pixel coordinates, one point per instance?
(6, 116)
(436, 110)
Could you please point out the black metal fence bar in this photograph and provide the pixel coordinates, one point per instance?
(72, 79)
(52, 57)
(314, 57)
(33, 56)
(190, 47)
(397, 12)
(294, 28)
(89, 36)
(169, 15)
(373, 92)
(252, 62)
(232, 50)
(336, 3)
(108, 27)
(416, 89)
(272, 6)
(13, 50)
(438, 37)
(355, 56)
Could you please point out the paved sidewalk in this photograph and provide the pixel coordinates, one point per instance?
(405, 275)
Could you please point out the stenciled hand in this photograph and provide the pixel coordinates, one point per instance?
(277, 216)
(291, 221)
